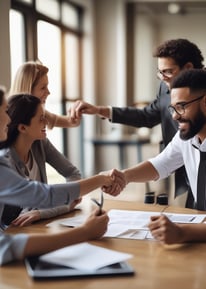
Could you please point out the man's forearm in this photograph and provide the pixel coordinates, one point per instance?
(143, 172)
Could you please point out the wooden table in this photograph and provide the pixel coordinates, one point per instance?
(156, 266)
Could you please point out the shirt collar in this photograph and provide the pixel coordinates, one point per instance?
(198, 145)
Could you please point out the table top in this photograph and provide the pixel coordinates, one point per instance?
(156, 265)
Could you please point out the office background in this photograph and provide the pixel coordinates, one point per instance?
(103, 56)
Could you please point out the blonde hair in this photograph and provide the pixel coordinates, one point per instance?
(27, 76)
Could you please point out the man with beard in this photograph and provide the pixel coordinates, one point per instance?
(188, 108)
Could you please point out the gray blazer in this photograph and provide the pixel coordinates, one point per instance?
(44, 152)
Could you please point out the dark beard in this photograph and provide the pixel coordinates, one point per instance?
(195, 126)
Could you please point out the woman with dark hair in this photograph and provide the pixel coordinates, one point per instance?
(28, 150)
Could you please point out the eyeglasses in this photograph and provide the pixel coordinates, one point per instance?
(165, 73)
(179, 108)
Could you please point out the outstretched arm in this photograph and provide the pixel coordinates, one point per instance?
(29, 217)
(142, 172)
(61, 120)
(80, 107)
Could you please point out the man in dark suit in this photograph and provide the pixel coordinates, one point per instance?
(172, 56)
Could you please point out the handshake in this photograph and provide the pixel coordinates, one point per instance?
(117, 182)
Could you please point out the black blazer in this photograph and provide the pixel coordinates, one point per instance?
(153, 114)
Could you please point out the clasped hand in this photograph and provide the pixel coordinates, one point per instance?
(118, 182)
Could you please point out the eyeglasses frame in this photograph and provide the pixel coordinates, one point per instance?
(166, 73)
(172, 108)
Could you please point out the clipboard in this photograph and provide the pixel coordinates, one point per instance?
(38, 270)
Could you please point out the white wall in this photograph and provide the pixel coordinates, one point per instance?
(109, 71)
(191, 26)
(110, 51)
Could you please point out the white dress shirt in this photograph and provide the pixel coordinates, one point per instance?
(177, 153)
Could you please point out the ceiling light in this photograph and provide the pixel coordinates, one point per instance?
(174, 8)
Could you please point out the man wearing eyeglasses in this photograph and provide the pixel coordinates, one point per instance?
(188, 146)
(173, 56)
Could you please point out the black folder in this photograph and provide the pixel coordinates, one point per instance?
(38, 269)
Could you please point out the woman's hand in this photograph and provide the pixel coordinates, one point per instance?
(27, 218)
(73, 122)
(74, 204)
(96, 225)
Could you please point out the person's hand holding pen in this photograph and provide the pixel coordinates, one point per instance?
(96, 225)
(165, 231)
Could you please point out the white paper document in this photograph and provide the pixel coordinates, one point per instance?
(85, 257)
(134, 224)
(74, 221)
(140, 219)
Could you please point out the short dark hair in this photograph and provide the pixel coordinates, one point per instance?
(21, 109)
(182, 51)
(195, 79)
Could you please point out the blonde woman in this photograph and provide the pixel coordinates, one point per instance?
(32, 78)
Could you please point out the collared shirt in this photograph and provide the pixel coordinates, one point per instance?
(16, 190)
(177, 153)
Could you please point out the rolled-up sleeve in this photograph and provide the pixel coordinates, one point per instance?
(170, 159)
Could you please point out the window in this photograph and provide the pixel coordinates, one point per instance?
(26, 1)
(53, 11)
(72, 66)
(17, 37)
(69, 16)
(49, 52)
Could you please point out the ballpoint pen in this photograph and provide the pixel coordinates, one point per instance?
(99, 204)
